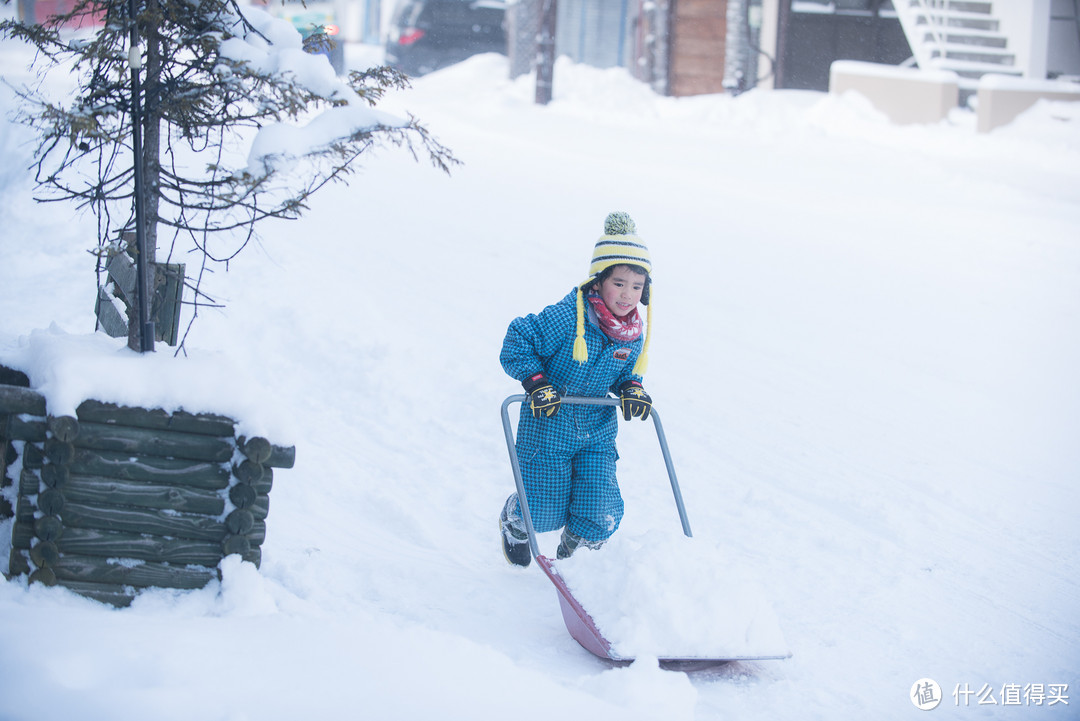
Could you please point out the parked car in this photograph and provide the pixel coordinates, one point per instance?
(306, 17)
(426, 35)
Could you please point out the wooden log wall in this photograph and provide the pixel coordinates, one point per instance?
(116, 499)
(17, 402)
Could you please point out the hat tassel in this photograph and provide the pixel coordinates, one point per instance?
(581, 349)
(642, 363)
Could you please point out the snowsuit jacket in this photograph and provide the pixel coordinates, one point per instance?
(568, 461)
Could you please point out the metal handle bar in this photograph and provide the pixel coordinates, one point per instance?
(585, 401)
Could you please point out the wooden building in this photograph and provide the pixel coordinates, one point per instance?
(697, 47)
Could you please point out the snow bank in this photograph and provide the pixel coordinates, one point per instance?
(70, 368)
(668, 596)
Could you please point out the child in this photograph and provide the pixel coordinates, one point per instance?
(588, 344)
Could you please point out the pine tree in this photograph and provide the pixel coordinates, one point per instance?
(212, 87)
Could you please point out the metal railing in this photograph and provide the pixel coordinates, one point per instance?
(581, 400)
(910, 13)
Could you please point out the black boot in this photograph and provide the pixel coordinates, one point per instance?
(514, 536)
(570, 542)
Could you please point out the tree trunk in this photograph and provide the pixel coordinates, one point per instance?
(148, 22)
(152, 128)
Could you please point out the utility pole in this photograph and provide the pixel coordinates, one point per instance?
(736, 47)
(545, 61)
(780, 67)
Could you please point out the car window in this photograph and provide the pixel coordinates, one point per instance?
(460, 12)
(408, 13)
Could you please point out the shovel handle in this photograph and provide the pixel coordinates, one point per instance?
(585, 401)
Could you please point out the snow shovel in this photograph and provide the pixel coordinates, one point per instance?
(578, 621)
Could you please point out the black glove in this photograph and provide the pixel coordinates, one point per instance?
(543, 398)
(634, 401)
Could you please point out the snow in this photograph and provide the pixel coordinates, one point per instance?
(698, 607)
(282, 143)
(864, 351)
(278, 49)
(68, 368)
(996, 81)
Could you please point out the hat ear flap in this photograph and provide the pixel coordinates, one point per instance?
(646, 292)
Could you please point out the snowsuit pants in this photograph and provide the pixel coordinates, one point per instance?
(576, 488)
(568, 460)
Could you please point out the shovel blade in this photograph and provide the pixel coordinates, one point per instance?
(583, 630)
(578, 621)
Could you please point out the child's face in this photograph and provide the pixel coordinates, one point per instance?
(621, 291)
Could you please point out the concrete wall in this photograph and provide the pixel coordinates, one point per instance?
(1002, 98)
(908, 95)
(905, 95)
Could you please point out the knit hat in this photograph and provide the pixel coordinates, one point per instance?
(619, 245)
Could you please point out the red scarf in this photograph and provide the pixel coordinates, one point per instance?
(625, 329)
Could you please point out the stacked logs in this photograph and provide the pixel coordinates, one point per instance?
(117, 498)
(21, 419)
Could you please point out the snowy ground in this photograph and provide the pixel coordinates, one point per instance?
(865, 353)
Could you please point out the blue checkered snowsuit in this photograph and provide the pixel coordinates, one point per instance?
(568, 461)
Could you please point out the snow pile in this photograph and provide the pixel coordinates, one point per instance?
(70, 368)
(646, 688)
(664, 595)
